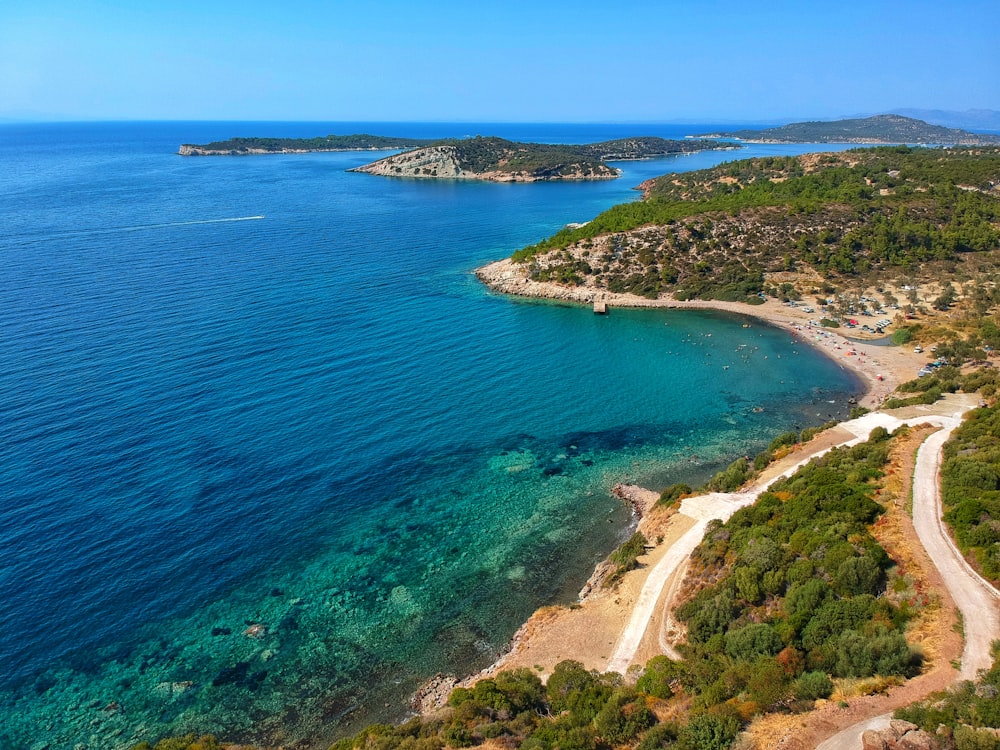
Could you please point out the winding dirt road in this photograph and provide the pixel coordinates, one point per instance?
(722, 505)
(976, 599)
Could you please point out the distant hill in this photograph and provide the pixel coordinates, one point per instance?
(980, 119)
(252, 146)
(880, 129)
(498, 160)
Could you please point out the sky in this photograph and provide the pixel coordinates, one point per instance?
(512, 61)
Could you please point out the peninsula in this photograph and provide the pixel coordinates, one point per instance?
(827, 225)
(498, 160)
(880, 129)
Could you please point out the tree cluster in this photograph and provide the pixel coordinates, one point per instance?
(970, 481)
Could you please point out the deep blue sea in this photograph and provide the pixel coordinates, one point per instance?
(270, 456)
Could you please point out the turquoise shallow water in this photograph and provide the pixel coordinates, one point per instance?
(263, 476)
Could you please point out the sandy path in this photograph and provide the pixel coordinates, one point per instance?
(976, 599)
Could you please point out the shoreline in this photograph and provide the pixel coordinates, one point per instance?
(880, 369)
(878, 372)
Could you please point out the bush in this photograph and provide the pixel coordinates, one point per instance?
(902, 336)
(708, 732)
(752, 641)
(660, 736)
(672, 494)
(626, 557)
(784, 439)
(660, 671)
(732, 478)
(812, 685)
(186, 742)
(624, 716)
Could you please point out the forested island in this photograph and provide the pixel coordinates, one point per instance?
(880, 129)
(479, 158)
(499, 160)
(253, 146)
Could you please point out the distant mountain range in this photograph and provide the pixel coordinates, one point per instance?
(886, 129)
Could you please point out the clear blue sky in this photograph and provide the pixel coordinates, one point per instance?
(443, 60)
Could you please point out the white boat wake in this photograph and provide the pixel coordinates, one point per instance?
(142, 227)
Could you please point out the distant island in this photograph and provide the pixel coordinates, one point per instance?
(481, 158)
(254, 146)
(498, 160)
(880, 129)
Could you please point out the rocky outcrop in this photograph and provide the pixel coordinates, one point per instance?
(900, 735)
(433, 161)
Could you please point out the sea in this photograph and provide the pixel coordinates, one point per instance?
(271, 456)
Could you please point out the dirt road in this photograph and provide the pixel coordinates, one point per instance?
(976, 599)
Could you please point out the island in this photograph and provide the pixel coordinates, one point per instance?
(498, 160)
(255, 146)
(880, 129)
(480, 158)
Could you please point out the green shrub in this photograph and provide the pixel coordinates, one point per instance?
(673, 493)
(187, 742)
(708, 732)
(784, 439)
(656, 678)
(812, 685)
(626, 557)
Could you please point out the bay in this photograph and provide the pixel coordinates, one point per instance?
(271, 456)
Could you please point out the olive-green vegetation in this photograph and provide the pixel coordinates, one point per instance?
(966, 717)
(626, 557)
(947, 379)
(796, 591)
(356, 142)
(673, 493)
(541, 160)
(782, 600)
(877, 129)
(484, 154)
(970, 483)
(715, 233)
(529, 161)
(646, 147)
